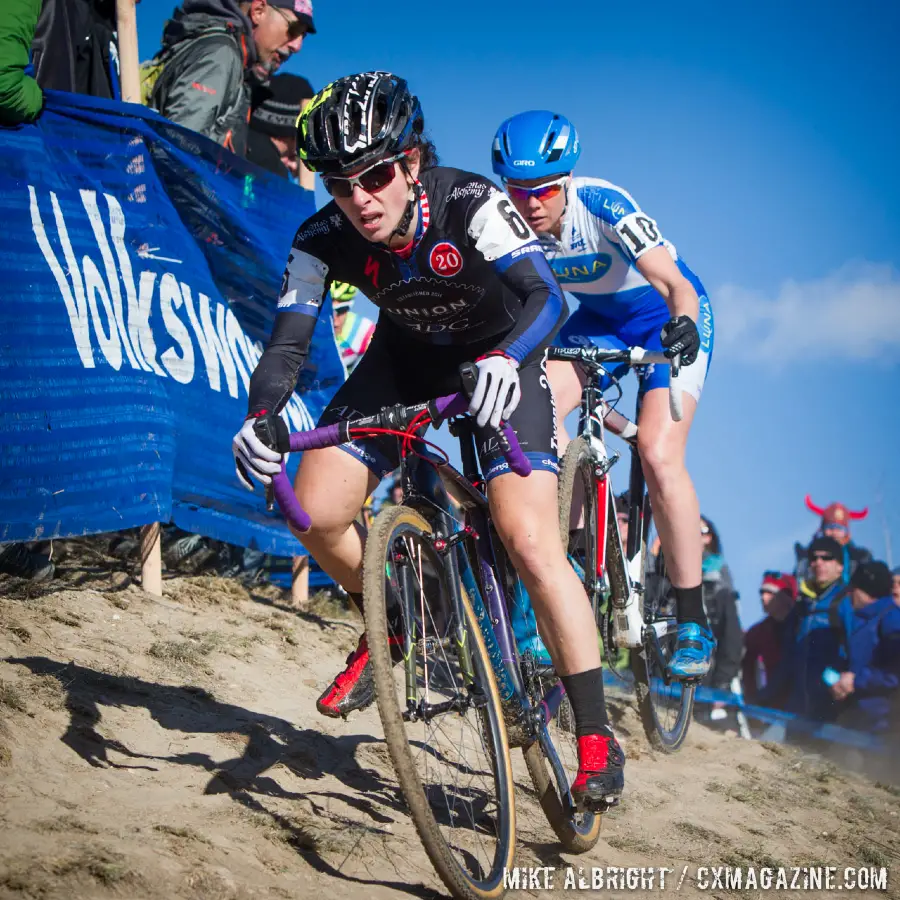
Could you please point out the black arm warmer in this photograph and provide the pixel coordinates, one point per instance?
(275, 376)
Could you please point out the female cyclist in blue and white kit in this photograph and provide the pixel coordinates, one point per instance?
(633, 289)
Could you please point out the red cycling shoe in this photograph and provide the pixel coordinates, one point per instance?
(601, 772)
(354, 688)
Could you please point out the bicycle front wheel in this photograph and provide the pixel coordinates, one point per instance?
(666, 706)
(439, 705)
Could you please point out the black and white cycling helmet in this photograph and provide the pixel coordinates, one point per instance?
(357, 120)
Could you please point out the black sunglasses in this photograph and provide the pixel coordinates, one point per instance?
(296, 27)
(370, 180)
(821, 557)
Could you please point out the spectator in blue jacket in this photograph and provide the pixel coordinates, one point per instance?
(814, 637)
(869, 684)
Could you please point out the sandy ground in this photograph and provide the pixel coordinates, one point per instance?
(171, 749)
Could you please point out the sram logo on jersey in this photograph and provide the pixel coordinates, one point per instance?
(445, 259)
(580, 269)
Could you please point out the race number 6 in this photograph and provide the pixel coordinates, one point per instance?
(513, 219)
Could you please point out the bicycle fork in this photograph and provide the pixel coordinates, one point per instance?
(622, 574)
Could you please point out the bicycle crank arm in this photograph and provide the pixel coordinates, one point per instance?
(652, 645)
(559, 773)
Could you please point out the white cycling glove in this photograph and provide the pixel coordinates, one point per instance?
(253, 457)
(497, 392)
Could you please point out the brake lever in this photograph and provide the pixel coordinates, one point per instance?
(273, 432)
(468, 374)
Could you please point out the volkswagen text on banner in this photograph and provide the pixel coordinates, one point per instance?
(141, 267)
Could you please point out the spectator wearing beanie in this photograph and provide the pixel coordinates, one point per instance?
(764, 642)
(272, 142)
(825, 566)
(868, 687)
(815, 637)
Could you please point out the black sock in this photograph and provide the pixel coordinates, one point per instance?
(585, 692)
(690, 606)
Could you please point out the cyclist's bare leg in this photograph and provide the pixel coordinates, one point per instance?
(524, 512)
(676, 511)
(332, 487)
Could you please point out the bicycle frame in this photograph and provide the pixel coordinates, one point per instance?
(475, 562)
(621, 568)
(618, 568)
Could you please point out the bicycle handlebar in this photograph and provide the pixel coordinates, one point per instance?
(394, 418)
(633, 356)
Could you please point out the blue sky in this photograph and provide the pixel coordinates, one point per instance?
(764, 139)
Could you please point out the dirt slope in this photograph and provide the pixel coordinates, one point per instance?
(170, 749)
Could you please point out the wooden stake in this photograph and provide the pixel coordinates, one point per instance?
(151, 559)
(129, 65)
(300, 582)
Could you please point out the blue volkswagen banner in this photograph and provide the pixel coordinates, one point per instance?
(141, 265)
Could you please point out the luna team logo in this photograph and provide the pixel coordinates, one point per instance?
(581, 269)
(445, 260)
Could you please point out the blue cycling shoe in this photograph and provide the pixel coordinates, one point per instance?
(693, 652)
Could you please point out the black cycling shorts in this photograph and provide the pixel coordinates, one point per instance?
(396, 370)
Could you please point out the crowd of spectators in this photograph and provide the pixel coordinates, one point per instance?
(828, 649)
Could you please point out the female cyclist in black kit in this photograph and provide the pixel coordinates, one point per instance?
(458, 276)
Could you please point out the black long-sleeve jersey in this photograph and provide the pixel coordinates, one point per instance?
(476, 276)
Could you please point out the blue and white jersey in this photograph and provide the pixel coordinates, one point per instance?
(604, 232)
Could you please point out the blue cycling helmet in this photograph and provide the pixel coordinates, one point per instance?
(535, 144)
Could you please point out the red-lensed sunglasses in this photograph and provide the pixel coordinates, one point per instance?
(540, 192)
(375, 178)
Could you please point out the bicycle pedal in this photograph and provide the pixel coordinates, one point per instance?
(601, 806)
(693, 681)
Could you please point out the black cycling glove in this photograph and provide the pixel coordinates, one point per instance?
(680, 335)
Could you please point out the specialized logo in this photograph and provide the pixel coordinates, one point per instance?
(371, 270)
(445, 259)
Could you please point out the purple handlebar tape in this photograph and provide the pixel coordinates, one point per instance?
(456, 404)
(329, 436)
(453, 405)
(317, 439)
(287, 500)
(518, 461)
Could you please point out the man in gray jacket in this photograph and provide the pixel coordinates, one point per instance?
(215, 51)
